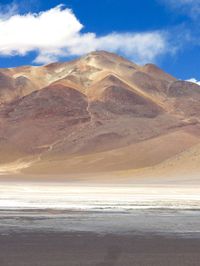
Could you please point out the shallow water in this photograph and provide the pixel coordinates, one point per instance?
(171, 210)
(162, 222)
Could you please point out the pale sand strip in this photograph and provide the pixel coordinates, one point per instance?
(16, 166)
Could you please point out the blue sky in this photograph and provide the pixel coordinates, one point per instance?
(165, 32)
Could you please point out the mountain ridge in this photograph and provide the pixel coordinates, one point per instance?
(95, 106)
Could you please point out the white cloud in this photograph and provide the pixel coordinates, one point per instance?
(140, 47)
(179, 3)
(194, 81)
(182, 2)
(189, 7)
(57, 33)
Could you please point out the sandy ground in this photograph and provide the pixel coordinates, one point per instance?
(171, 154)
(87, 249)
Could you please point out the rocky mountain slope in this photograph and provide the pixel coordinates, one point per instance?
(97, 113)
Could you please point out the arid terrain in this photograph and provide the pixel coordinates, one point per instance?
(100, 113)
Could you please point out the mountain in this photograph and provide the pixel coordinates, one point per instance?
(99, 113)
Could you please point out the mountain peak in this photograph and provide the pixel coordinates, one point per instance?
(109, 57)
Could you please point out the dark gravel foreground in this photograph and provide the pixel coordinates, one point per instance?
(90, 249)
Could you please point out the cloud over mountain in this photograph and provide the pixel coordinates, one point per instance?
(57, 33)
(194, 81)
